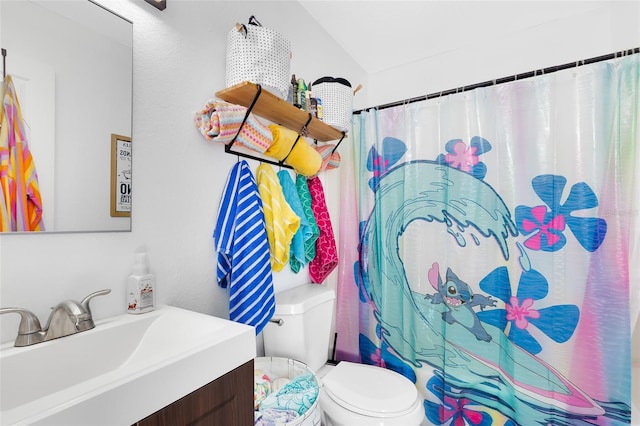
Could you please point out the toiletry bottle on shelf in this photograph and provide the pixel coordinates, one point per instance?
(318, 108)
(140, 287)
(302, 93)
(312, 103)
(294, 91)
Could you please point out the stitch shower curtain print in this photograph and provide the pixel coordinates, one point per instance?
(493, 264)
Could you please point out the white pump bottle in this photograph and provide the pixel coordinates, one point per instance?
(140, 287)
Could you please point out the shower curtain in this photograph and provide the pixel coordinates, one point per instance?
(486, 240)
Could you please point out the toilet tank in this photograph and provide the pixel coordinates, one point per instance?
(306, 312)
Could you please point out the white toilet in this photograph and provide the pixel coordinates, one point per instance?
(351, 394)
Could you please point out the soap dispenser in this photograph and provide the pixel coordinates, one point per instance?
(140, 286)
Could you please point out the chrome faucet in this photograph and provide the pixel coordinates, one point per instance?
(68, 317)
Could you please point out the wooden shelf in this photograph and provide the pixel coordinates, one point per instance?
(278, 111)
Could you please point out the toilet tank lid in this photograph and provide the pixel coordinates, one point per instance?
(300, 299)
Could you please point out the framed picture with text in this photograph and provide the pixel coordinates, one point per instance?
(120, 176)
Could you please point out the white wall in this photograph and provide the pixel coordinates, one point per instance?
(577, 30)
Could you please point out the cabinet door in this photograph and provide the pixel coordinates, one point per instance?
(227, 401)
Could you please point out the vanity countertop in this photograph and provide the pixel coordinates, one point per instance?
(124, 369)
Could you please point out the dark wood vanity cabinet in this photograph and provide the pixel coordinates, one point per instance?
(227, 401)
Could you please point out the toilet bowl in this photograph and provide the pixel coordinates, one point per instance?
(351, 394)
(358, 394)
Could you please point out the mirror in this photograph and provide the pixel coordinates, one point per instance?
(71, 65)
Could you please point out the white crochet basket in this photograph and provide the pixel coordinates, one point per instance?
(278, 367)
(259, 55)
(336, 96)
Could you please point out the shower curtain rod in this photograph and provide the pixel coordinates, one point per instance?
(522, 76)
(4, 63)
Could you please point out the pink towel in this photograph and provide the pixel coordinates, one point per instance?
(326, 258)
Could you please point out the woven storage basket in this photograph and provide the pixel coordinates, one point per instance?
(277, 367)
(336, 96)
(259, 55)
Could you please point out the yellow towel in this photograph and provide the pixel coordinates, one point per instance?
(304, 159)
(281, 221)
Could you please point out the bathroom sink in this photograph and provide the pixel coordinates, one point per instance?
(121, 371)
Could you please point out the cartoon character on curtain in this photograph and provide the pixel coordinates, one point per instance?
(462, 337)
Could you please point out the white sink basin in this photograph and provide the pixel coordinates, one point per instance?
(123, 370)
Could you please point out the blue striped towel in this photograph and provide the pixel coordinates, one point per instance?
(243, 250)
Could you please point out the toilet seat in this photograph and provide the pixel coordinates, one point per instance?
(370, 391)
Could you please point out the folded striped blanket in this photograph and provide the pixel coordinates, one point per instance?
(221, 121)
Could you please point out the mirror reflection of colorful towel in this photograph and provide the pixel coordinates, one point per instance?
(20, 200)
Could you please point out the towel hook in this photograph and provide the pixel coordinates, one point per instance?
(338, 144)
(246, 115)
(303, 130)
